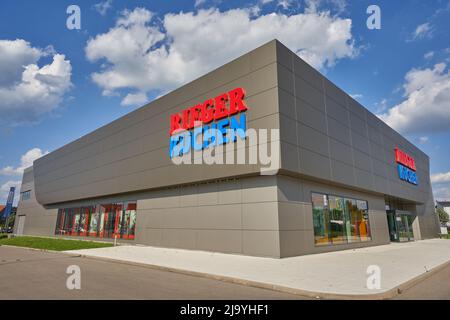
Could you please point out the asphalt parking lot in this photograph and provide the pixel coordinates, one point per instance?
(32, 274)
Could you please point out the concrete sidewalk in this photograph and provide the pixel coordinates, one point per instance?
(339, 274)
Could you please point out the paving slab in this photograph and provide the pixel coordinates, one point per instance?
(333, 274)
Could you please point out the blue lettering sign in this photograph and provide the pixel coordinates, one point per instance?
(209, 135)
(407, 174)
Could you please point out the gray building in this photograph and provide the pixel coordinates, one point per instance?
(344, 178)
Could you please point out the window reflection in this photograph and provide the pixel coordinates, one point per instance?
(94, 222)
(104, 221)
(364, 227)
(26, 195)
(339, 220)
(321, 220)
(353, 218)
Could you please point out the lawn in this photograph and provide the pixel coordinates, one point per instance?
(52, 243)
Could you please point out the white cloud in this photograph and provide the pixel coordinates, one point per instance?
(134, 99)
(356, 96)
(143, 53)
(441, 186)
(381, 106)
(285, 4)
(429, 55)
(314, 5)
(103, 7)
(13, 56)
(25, 161)
(423, 139)
(199, 2)
(424, 30)
(441, 193)
(28, 91)
(138, 16)
(4, 191)
(440, 177)
(426, 105)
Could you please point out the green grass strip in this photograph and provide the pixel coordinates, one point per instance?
(53, 243)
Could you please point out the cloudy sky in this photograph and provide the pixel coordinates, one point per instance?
(58, 84)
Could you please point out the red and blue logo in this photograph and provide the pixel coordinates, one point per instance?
(213, 122)
(406, 167)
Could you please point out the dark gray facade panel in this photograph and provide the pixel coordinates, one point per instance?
(131, 154)
(28, 176)
(38, 220)
(233, 216)
(351, 134)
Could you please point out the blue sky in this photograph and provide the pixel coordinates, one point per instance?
(399, 72)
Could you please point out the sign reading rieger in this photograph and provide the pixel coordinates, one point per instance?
(215, 132)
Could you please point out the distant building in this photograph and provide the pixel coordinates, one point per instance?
(446, 206)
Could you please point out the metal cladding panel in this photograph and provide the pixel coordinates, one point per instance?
(132, 153)
(38, 220)
(324, 133)
(337, 139)
(27, 175)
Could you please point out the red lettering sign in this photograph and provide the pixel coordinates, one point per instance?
(222, 106)
(405, 159)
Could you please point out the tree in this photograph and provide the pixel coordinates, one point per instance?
(443, 216)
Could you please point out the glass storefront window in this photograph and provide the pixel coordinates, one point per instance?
(104, 221)
(108, 222)
(321, 220)
(68, 221)
(128, 220)
(117, 211)
(339, 220)
(410, 220)
(60, 222)
(76, 221)
(337, 224)
(101, 227)
(84, 221)
(94, 221)
(353, 219)
(364, 226)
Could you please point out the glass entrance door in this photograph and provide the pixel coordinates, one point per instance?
(409, 221)
(392, 225)
(400, 225)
